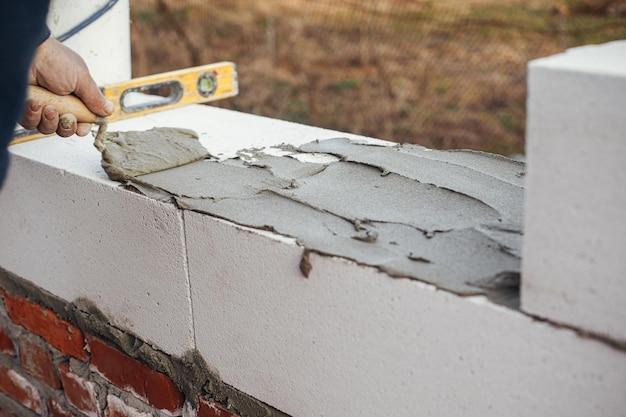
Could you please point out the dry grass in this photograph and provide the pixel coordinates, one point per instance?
(444, 73)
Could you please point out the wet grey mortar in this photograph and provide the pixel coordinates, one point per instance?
(127, 154)
(448, 218)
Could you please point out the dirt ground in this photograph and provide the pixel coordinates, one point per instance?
(444, 73)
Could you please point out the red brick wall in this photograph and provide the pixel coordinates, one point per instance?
(49, 367)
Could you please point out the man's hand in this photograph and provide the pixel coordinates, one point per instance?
(62, 71)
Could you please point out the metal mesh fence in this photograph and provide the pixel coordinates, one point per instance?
(444, 73)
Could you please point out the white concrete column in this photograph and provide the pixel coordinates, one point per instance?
(104, 44)
(574, 260)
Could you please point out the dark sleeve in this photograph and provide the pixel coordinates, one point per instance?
(43, 34)
(22, 29)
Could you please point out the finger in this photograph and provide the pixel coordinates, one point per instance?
(67, 125)
(90, 94)
(32, 115)
(83, 129)
(49, 120)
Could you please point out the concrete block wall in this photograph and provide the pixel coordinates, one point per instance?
(352, 341)
(83, 239)
(574, 263)
(348, 340)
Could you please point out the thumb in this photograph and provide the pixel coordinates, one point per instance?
(87, 90)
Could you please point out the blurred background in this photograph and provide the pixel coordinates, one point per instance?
(441, 73)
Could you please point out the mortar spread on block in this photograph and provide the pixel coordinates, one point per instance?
(128, 154)
(449, 218)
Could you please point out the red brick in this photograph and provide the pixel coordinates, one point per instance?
(6, 344)
(208, 408)
(118, 408)
(36, 359)
(79, 392)
(57, 410)
(46, 323)
(131, 375)
(20, 389)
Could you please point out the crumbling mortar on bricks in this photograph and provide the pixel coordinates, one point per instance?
(46, 386)
(90, 393)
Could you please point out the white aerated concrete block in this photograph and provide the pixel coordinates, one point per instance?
(574, 261)
(78, 236)
(347, 341)
(350, 341)
(69, 229)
